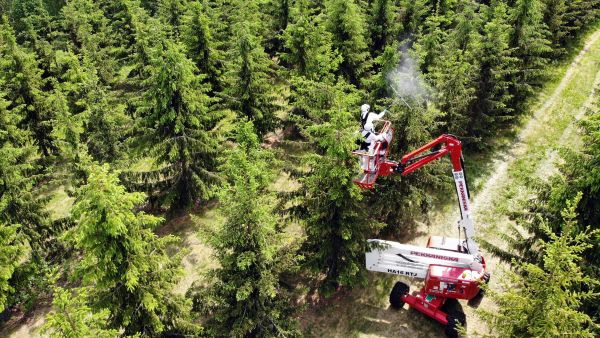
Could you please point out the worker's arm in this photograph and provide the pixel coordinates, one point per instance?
(380, 115)
(378, 137)
(374, 117)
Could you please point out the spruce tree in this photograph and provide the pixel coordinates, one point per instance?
(136, 35)
(249, 91)
(123, 18)
(328, 202)
(171, 12)
(23, 83)
(490, 109)
(579, 14)
(174, 128)
(414, 15)
(126, 264)
(309, 49)
(529, 40)
(275, 17)
(19, 202)
(197, 37)
(249, 299)
(23, 217)
(543, 300)
(383, 25)
(453, 79)
(554, 18)
(381, 84)
(73, 318)
(578, 180)
(92, 115)
(453, 74)
(88, 34)
(9, 259)
(282, 14)
(427, 45)
(346, 22)
(34, 26)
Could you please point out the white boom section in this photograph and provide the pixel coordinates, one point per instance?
(465, 224)
(413, 261)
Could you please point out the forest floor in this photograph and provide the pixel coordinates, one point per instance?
(502, 184)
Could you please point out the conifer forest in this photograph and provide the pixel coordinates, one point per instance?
(189, 168)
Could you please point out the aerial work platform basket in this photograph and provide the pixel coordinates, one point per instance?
(374, 162)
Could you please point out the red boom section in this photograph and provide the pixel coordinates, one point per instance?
(452, 146)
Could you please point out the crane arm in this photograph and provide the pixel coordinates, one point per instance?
(448, 145)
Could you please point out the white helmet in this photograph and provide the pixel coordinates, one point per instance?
(364, 109)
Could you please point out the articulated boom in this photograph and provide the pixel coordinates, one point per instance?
(450, 145)
(380, 165)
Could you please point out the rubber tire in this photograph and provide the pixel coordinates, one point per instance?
(486, 279)
(400, 289)
(454, 318)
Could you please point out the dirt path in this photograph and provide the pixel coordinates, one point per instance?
(539, 117)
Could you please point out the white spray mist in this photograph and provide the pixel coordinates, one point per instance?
(406, 81)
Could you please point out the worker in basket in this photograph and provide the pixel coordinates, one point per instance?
(370, 137)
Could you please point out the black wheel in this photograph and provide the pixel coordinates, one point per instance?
(484, 280)
(455, 318)
(400, 289)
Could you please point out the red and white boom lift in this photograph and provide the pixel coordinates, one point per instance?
(453, 268)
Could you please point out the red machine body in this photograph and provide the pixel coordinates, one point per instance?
(442, 283)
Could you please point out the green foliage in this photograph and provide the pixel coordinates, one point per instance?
(25, 232)
(174, 128)
(126, 263)
(171, 12)
(491, 108)
(414, 15)
(24, 225)
(529, 39)
(89, 112)
(146, 86)
(453, 75)
(453, 79)
(198, 40)
(578, 175)
(386, 63)
(249, 88)
(246, 297)
(543, 300)
(346, 22)
(73, 318)
(328, 202)
(24, 87)
(88, 35)
(17, 202)
(427, 46)
(9, 258)
(308, 45)
(584, 171)
(383, 25)
(33, 24)
(400, 201)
